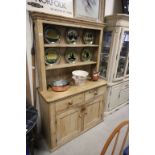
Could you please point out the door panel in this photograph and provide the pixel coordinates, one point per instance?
(68, 125)
(92, 114)
(105, 53)
(114, 96)
(124, 95)
(122, 55)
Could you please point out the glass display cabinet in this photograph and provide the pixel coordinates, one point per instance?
(114, 62)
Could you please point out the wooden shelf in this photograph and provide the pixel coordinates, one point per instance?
(51, 96)
(70, 65)
(70, 45)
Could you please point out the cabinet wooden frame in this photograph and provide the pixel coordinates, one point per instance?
(118, 56)
(114, 52)
(117, 24)
(61, 108)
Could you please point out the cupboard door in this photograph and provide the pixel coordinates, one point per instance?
(124, 95)
(93, 113)
(122, 56)
(105, 53)
(68, 125)
(114, 96)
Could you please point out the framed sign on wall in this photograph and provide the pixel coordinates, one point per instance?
(89, 9)
(56, 7)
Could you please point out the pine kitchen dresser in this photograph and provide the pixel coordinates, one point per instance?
(65, 115)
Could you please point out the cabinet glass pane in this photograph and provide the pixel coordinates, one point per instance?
(105, 53)
(123, 55)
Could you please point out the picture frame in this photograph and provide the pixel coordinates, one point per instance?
(92, 10)
(55, 7)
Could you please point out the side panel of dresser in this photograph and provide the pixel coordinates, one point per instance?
(45, 122)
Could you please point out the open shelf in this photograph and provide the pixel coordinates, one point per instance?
(70, 65)
(70, 45)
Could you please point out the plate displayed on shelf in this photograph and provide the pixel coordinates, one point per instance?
(71, 55)
(51, 35)
(88, 37)
(86, 54)
(72, 36)
(52, 56)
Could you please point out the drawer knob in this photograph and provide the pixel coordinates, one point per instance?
(70, 103)
(83, 109)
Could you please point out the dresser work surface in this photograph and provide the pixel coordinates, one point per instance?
(51, 96)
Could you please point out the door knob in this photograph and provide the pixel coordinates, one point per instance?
(70, 103)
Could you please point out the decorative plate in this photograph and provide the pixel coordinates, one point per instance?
(86, 54)
(88, 37)
(51, 35)
(72, 36)
(51, 56)
(71, 55)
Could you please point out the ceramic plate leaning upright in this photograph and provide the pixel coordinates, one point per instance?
(72, 36)
(86, 54)
(51, 35)
(88, 37)
(71, 55)
(52, 56)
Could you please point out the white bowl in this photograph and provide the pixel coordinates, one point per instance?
(79, 76)
(80, 73)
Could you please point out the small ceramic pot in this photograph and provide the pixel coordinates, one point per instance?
(95, 76)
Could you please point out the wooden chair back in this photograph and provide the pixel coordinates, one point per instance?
(116, 133)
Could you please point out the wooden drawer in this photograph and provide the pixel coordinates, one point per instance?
(69, 102)
(91, 94)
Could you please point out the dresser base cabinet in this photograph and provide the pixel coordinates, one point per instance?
(66, 118)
